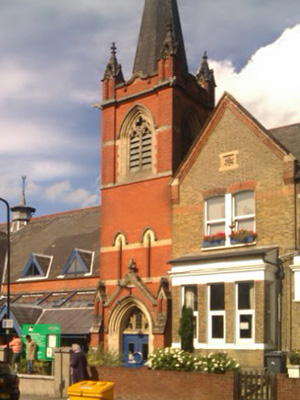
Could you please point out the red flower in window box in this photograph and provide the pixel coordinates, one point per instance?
(217, 239)
(215, 236)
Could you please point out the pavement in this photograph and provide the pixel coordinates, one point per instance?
(41, 398)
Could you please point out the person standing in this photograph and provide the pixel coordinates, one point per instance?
(16, 347)
(30, 353)
(78, 364)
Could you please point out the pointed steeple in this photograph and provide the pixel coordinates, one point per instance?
(155, 33)
(206, 79)
(113, 69)
(22, 213)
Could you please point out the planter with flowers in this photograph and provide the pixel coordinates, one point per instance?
(217, 239)
(242, 236)
(294, 366)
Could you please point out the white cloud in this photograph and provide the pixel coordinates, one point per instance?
(268, 86)
(43, 170)
(65, 193)
(13, 80)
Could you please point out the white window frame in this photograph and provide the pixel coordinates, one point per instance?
(209, 223)
(195, 312)
(230, 220)
(236, 219)
(239, 313)
(211, 314)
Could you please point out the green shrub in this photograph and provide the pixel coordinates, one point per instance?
(295, 357)
(186, 329)
(170, 359)
(99, 356)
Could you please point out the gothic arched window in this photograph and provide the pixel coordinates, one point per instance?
(140, 145)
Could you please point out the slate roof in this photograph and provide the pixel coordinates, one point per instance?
(72, 310)
(26, 314)
(55, 235)
(158, 14)
(289, 137)
(75, 321)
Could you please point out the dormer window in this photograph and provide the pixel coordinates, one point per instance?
(79, 262)
(37, 266)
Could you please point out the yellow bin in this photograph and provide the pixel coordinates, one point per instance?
(91, 390)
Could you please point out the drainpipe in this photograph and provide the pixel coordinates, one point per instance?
(296, 248)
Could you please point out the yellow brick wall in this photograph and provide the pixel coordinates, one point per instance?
(274, 215)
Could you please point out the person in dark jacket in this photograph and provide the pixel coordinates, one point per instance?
(78, 365)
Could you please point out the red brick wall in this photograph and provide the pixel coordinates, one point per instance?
(131, 209)
(287, 388)
(143, 384)
(52, 285)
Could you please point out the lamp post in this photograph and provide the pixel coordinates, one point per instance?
(8, 268)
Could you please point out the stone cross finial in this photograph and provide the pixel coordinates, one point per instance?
(131, 265)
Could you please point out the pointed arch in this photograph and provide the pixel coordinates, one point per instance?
(146, 234)
(134, 112)
(136, 143)
(119, 242)
(119, 237)
(118, 317)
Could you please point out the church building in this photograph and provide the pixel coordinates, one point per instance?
(199, 207)
(149, 123)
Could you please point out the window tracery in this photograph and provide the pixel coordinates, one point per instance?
(140, 145)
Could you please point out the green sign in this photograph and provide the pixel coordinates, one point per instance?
(46, 337)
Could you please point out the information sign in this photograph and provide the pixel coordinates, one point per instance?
(7, 323)
(46, 337)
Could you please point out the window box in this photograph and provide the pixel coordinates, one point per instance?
(213, 243)
(217, 239)
(248, 239)
(242, 236)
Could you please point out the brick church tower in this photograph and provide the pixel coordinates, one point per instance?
(148, 125)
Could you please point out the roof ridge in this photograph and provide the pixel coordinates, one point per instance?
(61, 213)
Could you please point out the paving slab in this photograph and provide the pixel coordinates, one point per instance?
(41, 398)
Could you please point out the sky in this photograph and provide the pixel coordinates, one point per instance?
(53, 55)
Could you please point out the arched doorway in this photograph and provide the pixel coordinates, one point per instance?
(129, 331)
(135, 338)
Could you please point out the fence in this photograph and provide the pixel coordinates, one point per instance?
(255, 385)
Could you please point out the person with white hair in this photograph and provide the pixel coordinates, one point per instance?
(78, 364)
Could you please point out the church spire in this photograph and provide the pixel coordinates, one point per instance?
(160, 26)
(113, 69)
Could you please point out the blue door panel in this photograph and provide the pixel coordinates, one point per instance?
(135, 350)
